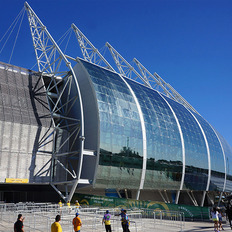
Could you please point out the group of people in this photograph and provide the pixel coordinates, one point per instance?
(217, 215)
(56, 227)
(77, 223)
(124, 221)
(77, 205)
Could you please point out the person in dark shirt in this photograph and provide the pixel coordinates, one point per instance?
(18, 226)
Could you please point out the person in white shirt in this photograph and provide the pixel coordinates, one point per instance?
(214, 215)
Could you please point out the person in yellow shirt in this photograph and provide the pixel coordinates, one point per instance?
(56, 227)
(77, 223)
(69, 206)
(60, 203)
(77, 204)
(106, 220)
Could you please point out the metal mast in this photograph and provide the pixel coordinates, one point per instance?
(151, 81)
(68, 131)
(125, 68)
(90, 53)
(159, 84)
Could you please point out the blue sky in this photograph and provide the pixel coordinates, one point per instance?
(187, 42)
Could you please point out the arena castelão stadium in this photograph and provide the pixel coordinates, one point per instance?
(79, 126)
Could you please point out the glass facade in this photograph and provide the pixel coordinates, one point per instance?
(121, 142)
(228, 156)
(120, 131)
(164, 151)
(216, 156)
(196, 173)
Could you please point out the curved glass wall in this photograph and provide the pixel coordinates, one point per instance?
(164, 150)
(120, 131)
(196, 173)
(216, 156)
(121, 142)
(228, 155)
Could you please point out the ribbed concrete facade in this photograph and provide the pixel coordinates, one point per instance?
(24, 120)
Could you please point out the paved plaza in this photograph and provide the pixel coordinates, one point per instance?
(148, 227)
(40, 216)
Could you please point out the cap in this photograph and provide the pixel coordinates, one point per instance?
(122, 209)
(107, 211)
(77, 214)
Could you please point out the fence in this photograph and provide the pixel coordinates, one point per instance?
(39, 217)
(169, 219)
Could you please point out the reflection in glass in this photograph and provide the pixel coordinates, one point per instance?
(121, 142)
(164, 151)
(120, 131)
(196, 173)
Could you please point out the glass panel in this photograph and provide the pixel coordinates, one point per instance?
(216, 156)
(120, 131)
(121, 139)
(164, 151)
(228, 155)
(196, 173)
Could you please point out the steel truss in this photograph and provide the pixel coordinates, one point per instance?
(154, 82)
(68, 131)
(125, 68)
(90, 53)
(159, 84)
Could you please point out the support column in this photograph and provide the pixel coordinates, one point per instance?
(220, 198)
(192, 199)
(162, 196)
(177, 197)
(203, 199)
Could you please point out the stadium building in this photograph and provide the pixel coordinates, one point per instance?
(97, 131)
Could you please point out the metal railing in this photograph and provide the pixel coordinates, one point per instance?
(39, 217)
(169, 219)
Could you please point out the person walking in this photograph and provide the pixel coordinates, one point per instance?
(78, 207)
(214, 215)
(220, 215)
(60, 206)
(18, 226)
(69, 206)
(122, 216)
(229, 213)
(60, 203)
(56, 227)
(126, 222)
(77, 223)
(106, 220)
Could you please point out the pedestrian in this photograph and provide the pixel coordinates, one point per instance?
(78, 207)
(220, 215)
(60, 203)
(126, 222)
(106, 220)
(18, 226)
(60, 206)
(56, 227)
(214, 215)
(229, 214)
(69, 206)
(122, 215)
(77, 223)
(77, 204)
